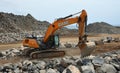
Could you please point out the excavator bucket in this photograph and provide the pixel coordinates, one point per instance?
(87, 48)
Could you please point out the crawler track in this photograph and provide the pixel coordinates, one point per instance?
(47, 54)
(37, 53)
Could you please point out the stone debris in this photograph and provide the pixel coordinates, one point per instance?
(71, 69)
(107, 68)
(98, 61)
(10, 53)
(88, 68)
(103, 63)
(117, 39)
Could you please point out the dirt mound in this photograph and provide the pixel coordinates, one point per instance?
(102, 27)
(19, 23)
(10, 23)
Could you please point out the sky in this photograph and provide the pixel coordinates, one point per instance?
(49, 10)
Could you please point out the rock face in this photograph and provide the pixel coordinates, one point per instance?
(18, 23)
(14, 28)
(102, 27)
(102, 63)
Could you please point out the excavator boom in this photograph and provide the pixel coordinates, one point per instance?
(81, 20)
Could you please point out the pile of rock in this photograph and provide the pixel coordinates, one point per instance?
(107, 40)
(17, 37)
(10, 53)
(68, 44)
(11, 37)
(103, 63)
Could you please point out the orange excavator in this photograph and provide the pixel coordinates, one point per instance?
(45, 47)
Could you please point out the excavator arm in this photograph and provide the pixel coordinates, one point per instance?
(81, 20)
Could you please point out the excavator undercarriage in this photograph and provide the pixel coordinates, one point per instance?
(45, 50)
(37, 54)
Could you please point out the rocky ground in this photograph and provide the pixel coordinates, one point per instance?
(105, 59)
(101, 63)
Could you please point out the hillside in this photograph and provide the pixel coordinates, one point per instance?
(10, 23)
(102, 27)
(14, 28)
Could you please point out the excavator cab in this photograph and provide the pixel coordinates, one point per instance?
(53, 42)
(36, 42)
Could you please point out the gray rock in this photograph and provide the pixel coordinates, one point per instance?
(27, 65)
(76, 57)
(69, 60)
(67, 45)
(36, 71)
(107, 59)
(41, 65)
(99, 42)
(8, 66)
(79, 62)
(88, 68)
(118, 56)
(57, 61)
(98, 70)
(10, 53)
(1, 55)
(107, 68)
(71, 69)
(98, 61)
(116, 63)
(32, 68)
(16, 51)
(27, 62)
(86, 61)
(60, 67)
(50, 64)
(42, 71)
(50, 70)
(25, 72)
(18, 70)
(1, 68)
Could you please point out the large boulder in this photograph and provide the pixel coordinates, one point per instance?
(98, 61)
(107, 68)
(71, 69)
(50, 70)
(88, 68)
